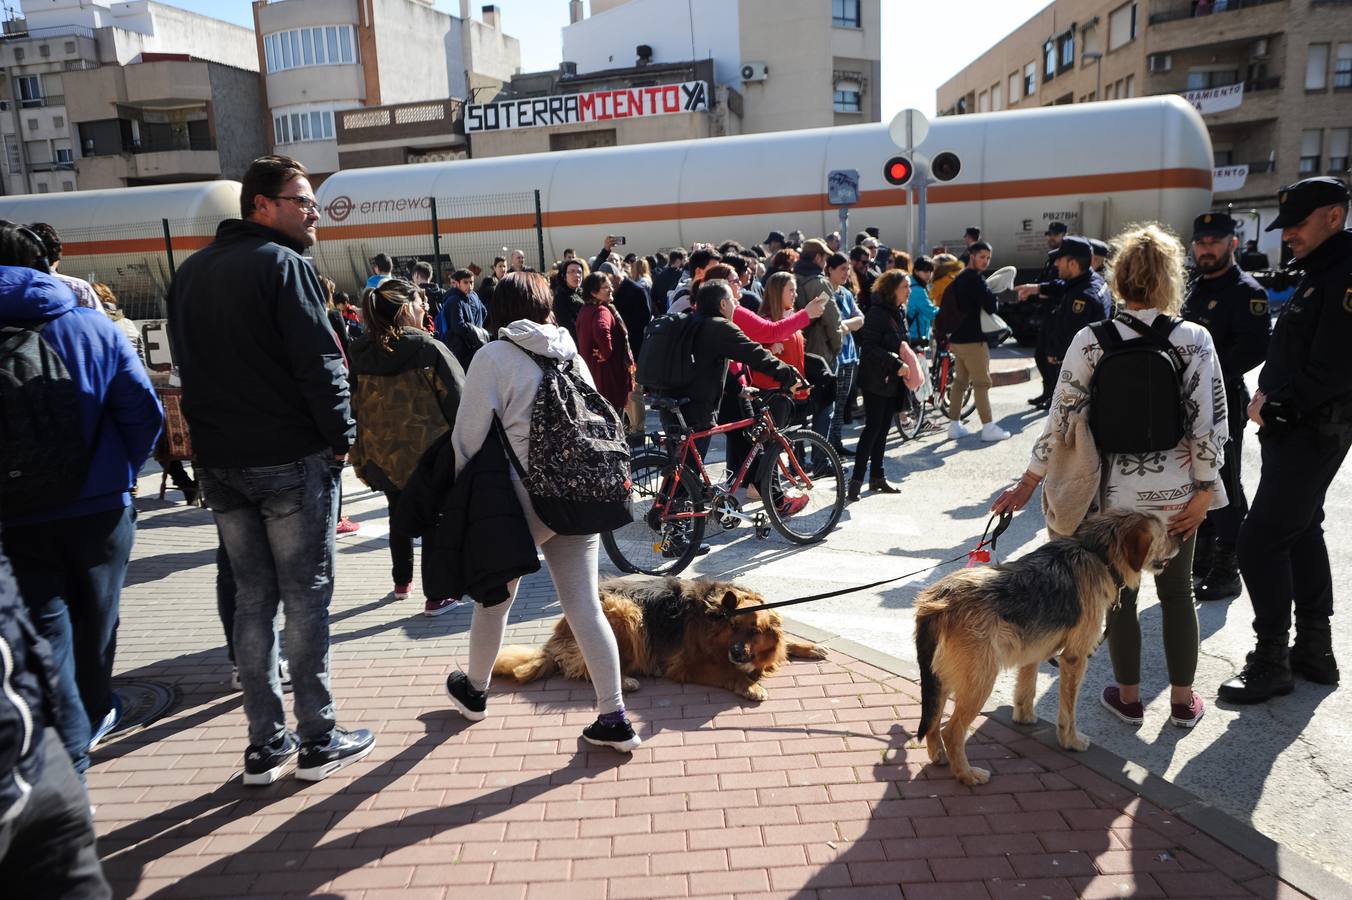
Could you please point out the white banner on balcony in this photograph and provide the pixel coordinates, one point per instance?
(1229, 178)
(1214, 100)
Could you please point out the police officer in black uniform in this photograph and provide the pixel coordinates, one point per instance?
(1233, 307)
(1082, 298)
(1303, 408)
(1047, 281)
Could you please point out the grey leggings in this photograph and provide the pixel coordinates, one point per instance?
(572, 561)
(1178, 624)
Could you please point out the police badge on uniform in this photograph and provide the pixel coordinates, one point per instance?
(1077, 306)
(1258, 306)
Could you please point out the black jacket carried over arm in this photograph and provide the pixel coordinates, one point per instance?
(475, 536)
(879, 342)
(717, 342)
(973, 296)
(264, 382)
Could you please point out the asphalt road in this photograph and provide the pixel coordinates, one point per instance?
(1274, 766)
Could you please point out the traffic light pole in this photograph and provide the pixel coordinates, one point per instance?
(922, 183)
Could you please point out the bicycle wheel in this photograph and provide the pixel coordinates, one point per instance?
(910, 417)
(802, 509)
(653, 544)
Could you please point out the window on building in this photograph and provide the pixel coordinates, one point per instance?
(848, 98)
(1049, 60)
(1030, 79)
(1013, 88)
(997, 97)
(62, 151)
(1316, 67)
(1129, 86)
(1065, 49)
(305, 125)
(1342, 67)
(1223, 157)
(30, 90)
(13, 161)
(1201, 79)
(983, 102)
(322, 45)
(845, 13)
(1122, 26)
(67, 185)
(43, 188)
(1311, 143)
(1339, 139)
(39, 153)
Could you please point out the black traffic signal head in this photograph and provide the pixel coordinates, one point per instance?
(898, 170)
(945, 166)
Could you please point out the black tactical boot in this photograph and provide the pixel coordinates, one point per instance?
(1202, 556)
(1266, 674)
(1222, 579)
(1312, 652)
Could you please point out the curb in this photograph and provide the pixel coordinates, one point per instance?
(1277, 861)
(1001, 376)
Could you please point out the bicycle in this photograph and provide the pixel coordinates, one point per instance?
(674, 497)
(912, 418)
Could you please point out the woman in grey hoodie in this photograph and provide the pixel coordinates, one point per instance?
(502, 382)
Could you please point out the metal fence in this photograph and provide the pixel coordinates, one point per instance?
(448, 232)
(137, 260)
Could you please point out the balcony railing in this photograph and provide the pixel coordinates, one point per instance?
(1271, 83)
(40, 33)
(1173, 10)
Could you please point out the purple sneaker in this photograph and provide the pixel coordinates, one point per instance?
(1186, 715)
(1131, 713)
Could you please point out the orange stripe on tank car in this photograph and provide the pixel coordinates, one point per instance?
(134, 245)
(1158, 179)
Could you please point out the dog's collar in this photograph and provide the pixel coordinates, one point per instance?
(1118, 581)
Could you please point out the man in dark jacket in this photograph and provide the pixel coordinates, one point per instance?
(968, 344)
(665, 282)
(46, 834)
(823, 336)
(70, 536)
(266, 396)
(460, 324)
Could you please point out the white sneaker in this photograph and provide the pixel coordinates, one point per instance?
(956, 431)
(990, 432)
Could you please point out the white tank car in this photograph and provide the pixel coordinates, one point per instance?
(117, 235)
(1096, 167)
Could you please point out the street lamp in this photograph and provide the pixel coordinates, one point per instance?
(1097, 57)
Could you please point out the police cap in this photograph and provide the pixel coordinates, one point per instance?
(1213, 224)
(1057, 228)
(1295, 202)
(774, 237)
(1075, 247)
(1100, 248)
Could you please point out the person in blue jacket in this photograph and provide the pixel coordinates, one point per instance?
(70, 558)
(460, 322)
(920, 309)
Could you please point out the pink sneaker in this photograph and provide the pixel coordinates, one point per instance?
(347, 526)
(401, 591)
(434, 608)
(1131, 713)
(1186, 715)
(790, 506)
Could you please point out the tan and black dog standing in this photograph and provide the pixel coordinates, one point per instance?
(972, 624)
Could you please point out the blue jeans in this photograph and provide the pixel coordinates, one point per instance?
(845, 374)
(277, 527)
(70, 573)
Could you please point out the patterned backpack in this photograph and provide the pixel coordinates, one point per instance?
(579, 477)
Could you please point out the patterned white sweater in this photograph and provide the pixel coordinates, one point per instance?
(1160, 482)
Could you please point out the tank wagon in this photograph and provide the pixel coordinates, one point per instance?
(1096, 167)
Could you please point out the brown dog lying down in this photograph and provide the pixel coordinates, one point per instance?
(975, 622)
(675, 629)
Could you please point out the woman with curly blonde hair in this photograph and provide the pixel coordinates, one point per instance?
(1180, 485)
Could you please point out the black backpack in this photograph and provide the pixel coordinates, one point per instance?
(666, 359)
(579, 477)
(43, 456)
(1136, 396)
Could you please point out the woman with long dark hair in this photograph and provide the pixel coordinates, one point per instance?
(405, 394)
(880, 377)
(603, 341)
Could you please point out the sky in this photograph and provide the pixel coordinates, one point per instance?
(920, 50)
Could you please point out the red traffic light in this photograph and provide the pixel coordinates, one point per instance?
(898, 170)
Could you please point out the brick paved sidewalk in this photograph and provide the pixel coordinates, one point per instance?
(810, 794)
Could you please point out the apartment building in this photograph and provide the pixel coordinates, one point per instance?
(637, 71)
(51, 47)
(324, 57)
(1272, 79)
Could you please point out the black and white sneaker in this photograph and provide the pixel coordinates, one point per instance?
(466, 699)
(618, 737)
(319, 761)
(263, 764)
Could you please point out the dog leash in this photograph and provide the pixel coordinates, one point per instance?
(973, 557)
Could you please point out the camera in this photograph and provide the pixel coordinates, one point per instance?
(617, 238)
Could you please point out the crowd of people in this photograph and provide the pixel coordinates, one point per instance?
(440, 398)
